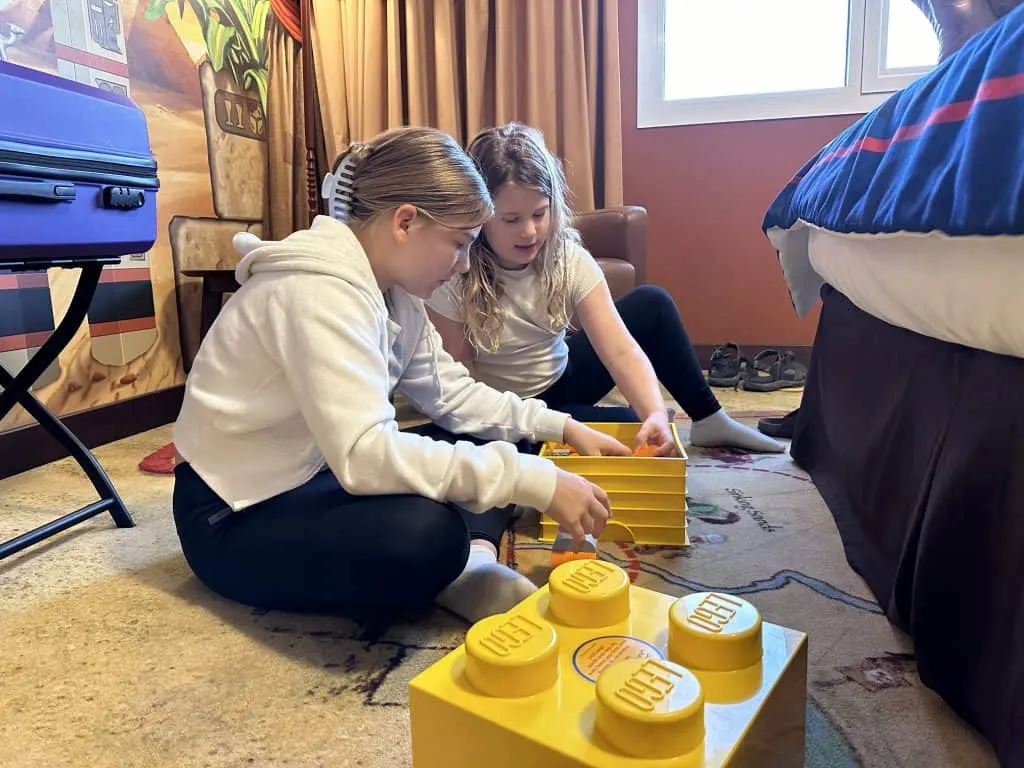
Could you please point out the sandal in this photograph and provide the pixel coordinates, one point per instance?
(773, 370)
(725, 366)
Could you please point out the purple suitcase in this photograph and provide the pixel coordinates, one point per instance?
(77, 176)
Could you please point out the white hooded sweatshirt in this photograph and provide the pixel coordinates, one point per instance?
(297, 371)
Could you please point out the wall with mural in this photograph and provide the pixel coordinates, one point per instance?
(198, 70)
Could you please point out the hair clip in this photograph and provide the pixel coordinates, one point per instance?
(338, 187)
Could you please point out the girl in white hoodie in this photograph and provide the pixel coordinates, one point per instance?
(295, 488)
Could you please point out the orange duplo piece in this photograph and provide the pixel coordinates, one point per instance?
(557, 558)
(646, 450)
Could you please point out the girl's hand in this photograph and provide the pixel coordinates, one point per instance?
(590, 442)
(578, 506)
(657, 432)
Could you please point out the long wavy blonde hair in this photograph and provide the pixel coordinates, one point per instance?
(516, 154)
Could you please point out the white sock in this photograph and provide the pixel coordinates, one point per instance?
(719, 430)
(485, 587)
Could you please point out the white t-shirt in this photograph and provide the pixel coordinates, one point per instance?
(531, 354)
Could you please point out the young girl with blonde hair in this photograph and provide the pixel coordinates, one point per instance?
(295, 488)
(507, 318)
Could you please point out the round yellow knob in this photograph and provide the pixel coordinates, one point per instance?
(650, 709)
(589, 593)
(712, 631)
(511, 655)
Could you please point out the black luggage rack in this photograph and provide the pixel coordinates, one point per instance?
(17, 390)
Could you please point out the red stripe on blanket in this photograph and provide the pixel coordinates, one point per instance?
(995, 89)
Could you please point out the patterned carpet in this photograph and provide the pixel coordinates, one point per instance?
(759, 529)
(115, 656)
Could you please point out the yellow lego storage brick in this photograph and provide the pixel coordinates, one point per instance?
(593, 672)
(647, 493)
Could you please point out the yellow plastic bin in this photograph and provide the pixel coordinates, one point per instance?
(647, 493)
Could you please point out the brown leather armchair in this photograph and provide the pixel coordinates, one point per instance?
(617, 239)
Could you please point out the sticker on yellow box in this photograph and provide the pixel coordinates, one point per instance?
(591, 658)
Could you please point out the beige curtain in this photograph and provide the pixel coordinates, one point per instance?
(286, 207)
(464, 65)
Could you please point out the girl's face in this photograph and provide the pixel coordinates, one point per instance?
(429, 253)
(520, 225)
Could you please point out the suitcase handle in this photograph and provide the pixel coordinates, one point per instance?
(43, 191)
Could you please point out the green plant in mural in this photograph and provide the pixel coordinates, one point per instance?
(234, 32)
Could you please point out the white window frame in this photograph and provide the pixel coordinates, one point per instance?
(868, 82)
(879, 79)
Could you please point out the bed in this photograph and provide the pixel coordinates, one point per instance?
(909, 229)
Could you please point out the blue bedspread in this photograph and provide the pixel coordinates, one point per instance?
(945, 154)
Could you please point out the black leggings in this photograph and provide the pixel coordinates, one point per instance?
(652, 318)
(318, 548)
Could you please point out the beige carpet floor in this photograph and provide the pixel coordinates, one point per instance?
(115, 656)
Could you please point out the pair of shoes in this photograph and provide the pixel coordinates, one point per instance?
(770, 369)
(726, 366)
(779, 426)
(773, 370)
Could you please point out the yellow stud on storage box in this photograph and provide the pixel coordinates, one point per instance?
(650, 708)
(716, 632)
(589, 593)
(719, 638)
(593, 672)
(511, 655)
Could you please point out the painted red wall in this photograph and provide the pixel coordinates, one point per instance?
(706, 189)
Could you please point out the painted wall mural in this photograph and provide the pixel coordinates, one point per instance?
(198, 69)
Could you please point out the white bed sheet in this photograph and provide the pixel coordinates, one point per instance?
(964, 290)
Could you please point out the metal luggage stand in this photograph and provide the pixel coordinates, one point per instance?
(17, 390)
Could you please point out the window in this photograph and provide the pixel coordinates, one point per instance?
(706, 61)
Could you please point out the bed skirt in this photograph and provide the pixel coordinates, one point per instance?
(917, 447)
